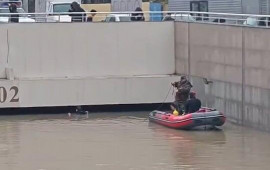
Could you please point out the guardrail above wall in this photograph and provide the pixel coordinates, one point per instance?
(185, 16)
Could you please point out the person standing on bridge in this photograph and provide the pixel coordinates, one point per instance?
(14, 18)
(75, 7)
(90, 18)
(138, 16)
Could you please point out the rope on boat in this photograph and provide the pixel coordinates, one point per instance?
(165, 98)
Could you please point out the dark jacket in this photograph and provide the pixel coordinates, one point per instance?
(75, 7)
(192, 105)
(14, 18)
(138, 16)
(183, 87)
(90, 19)
(181, 96)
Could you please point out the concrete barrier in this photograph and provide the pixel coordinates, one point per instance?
(86, 91)
(237, 60)
(182, 47)
(257, 78)
(83, 49)
(216, 52)
(66, 64)
(3, 52)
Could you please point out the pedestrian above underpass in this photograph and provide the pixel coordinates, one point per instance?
(14, 18)
(138, 16)
(75, 17)
(90, 18)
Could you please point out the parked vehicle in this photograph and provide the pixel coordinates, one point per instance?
(181, 17)
(257, 22)
(118, 18)
(22, 19)
(261, 22)
(58, 7)
(54, 6)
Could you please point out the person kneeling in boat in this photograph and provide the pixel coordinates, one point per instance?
(193, 104)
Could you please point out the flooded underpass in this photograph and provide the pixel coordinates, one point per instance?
(122, 141)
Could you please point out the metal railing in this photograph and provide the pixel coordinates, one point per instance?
(185, 16)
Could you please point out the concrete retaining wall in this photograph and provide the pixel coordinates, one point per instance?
(101, 49)
(3, 52)
(257, 78)
(237, 60)
(115, 63)
(60, 64)
(86, 91)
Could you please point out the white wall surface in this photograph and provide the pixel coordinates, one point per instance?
(89, 91)
(86, 49)
(3, 51)
(64, 64)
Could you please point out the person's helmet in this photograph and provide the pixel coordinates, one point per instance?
(183, 78)
(192, 94)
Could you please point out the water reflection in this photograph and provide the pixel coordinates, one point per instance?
(124, 141)
(9, 142)
(187, 146)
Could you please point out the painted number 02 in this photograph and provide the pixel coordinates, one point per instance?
(4, 94)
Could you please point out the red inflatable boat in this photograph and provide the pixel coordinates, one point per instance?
(205, 116)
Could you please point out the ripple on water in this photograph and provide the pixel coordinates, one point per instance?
(124, 141)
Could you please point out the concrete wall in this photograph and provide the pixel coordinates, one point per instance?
(257, 78)
(237, 60)
(62, 64)
(216, 54)
(3, 51)
(85, 49)
(182, 48)
(86, 91)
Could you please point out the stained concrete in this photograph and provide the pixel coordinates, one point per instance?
(237, 60)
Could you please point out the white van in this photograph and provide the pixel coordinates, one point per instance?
(58, 6)
(22, 19)
(118, 18)
(181, 17)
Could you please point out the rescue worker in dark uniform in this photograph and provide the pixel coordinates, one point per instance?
(182, 94)
(193, 104)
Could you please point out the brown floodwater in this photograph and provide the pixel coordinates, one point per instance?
(125, 141)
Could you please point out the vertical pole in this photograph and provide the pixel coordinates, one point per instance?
(243, 77)
(242, 11)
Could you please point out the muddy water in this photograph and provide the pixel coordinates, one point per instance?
(122, 141)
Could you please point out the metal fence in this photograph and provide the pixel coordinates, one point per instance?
(183, 16)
